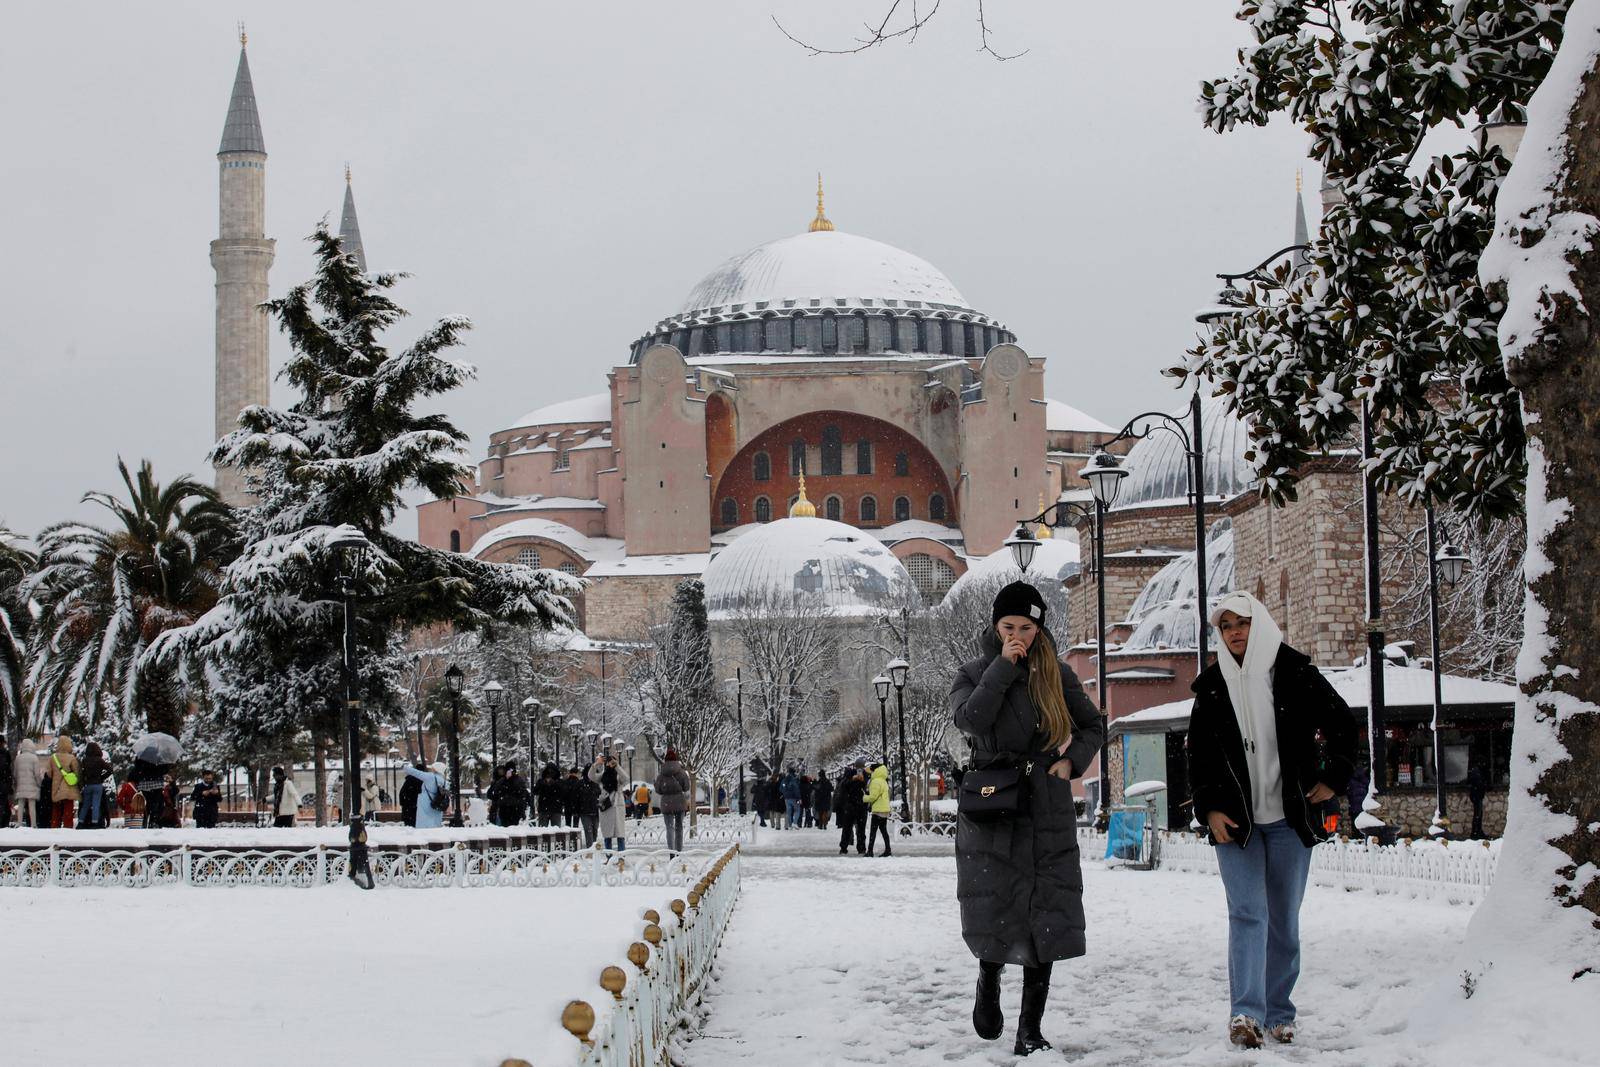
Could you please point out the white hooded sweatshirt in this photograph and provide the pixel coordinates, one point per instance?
(1250, 691)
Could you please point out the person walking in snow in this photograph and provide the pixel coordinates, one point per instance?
(548, 794)
(5, 786)
(63, 770)
(808, 788)
(1017, 874)
(511, 806)
(1257, 777)
(96, 773)
(285, 799)
(789, 791)
(410, 790)
(371, 798)
(878, 807)
(822, 799)
(584, 800)
(776, 808)
(603, 774)
(672, 793)
(433, 799)
(26, 772)
(206, 798)
(850, 807)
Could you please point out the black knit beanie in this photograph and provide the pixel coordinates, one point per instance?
(1019, 598)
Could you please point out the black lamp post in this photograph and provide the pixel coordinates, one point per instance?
(881, 684)
(530, 711)
(493, 693)
(738, 684)
(555, 716)
(632, 782)
(898, 668)
(575, 725)
(453, 679)
(348, 541)
(1448, 563)
(592, 735)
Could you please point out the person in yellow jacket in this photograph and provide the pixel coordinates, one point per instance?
(878, 805)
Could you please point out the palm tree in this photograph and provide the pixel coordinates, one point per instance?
(106, 593)
(16, 563)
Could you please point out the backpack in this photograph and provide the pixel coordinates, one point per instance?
(440, 799)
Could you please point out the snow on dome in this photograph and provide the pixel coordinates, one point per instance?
(1055, 557)
(825, 265)
(1158, 469)
(593, 408)
(1062, 418)
(1164, 611)
(850, 569)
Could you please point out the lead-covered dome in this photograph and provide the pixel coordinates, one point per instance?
(849, 571)
(1158, 467)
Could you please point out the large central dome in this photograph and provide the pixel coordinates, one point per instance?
(823, 266)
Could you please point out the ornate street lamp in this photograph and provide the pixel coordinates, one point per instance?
(1448, 563)
(881, 684)
(555, 715)
(453, 681)
(738, 689)
(530, 712)
(493, 693)
(349, 542)
(898, 669)
(1023, 545)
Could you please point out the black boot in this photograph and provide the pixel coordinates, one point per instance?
(1035, 991)
(986, 1017)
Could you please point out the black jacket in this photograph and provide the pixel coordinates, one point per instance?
(410, 790)
(822, 795)
(581, 796)
(1307, 709)
(548, 792)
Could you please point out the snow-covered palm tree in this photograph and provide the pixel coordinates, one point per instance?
(16, 563)
(106, 592)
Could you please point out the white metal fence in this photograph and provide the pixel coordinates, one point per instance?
(1458, 872)
(418, 868)
(704, 830)
(669, 961)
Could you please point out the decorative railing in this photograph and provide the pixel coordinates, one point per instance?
(669, 962)
(415, 868)
(702, 830)
(1459, 872)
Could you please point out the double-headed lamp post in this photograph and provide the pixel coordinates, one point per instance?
(881, 685)
(897, 670)
(493, 693)
(1447, 562)
(454, 679)
(348, 541)
(530, 711)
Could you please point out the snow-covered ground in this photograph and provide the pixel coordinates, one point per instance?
(332, 975)
(833, 959)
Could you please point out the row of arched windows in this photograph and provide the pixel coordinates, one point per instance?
(773, 332)
(833, 508)
(832, 458)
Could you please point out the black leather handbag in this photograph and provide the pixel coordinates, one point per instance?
(996, 792)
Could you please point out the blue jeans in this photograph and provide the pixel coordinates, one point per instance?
(1265, 883)
(89, 807)
(673, 821)
(792, 812)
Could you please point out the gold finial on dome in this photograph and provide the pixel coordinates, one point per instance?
(821, 221)
(1044, 527)
(802, 508)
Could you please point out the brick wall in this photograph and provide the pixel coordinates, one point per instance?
(621, 608)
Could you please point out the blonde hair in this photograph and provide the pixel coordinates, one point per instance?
(1044, 689)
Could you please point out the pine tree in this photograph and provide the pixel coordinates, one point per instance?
(345, 453)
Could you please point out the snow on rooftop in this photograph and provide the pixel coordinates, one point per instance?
(1056, 556)
(685, 563)
(1412, 687)
(593, 549)
(593, 408)
(850, 569)
(909, 528)
(1059, 417)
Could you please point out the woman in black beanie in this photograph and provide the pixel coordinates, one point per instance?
(1017, 874)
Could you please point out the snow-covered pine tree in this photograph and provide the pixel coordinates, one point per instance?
(1391, 309)
(345, 453)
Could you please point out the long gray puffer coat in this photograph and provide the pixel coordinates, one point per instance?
(1018, 879)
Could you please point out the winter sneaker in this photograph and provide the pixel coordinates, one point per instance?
(987, 1020)
(1283, 1033)
(1244, 1031)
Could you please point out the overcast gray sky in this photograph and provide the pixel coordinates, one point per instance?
(564, 173)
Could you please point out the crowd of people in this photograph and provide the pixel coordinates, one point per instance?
(856, 801)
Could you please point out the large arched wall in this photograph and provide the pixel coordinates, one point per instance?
(922, 481)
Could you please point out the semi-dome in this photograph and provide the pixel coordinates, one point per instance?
(848, 570)
(1158, 468)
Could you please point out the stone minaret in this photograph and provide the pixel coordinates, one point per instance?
(241, 255)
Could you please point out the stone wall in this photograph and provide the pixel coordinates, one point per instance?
(1411, 813)
(622, 608)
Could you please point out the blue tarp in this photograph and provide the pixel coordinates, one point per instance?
(1125, 841)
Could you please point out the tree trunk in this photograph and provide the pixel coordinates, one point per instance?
(1534, 944)
(319, 771)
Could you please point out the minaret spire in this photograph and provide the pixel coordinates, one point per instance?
(349, 227)
(241, 256)
(1301, 232)
(820, 223)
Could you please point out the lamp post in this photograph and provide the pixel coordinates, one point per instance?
(881, 684)
(738, 683)
(898, 668)
(1448, 563)
(493, 693)
(591, 735)
(453, 679)
(555, 716)
(530, 711)
(394, 771)
(347, 540)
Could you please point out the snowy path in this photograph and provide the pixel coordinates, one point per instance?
(835, 959)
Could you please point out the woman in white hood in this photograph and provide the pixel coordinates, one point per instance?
(1269, 740)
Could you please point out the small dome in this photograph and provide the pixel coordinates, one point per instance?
(822, 265)
(850, 570)
(1164, 610)
(593, 408)
(1158, 469)
(1056, 558)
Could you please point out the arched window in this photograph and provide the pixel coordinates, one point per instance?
(709, 344)
(763, 509)
(890, 343)
(767, 331)
(528, 556)
(798, 340)
(944, 336)
(921, 342)
(797, 457)
(568, 568)
(832, 451)
(749, 336)
(971, 339)
(455, 540)
(902, 508)
(680, 340)
(932, 577)
(858, 332)
(936, 507)
(863, 456)
(830, 332)
(832, 508)
(730, 511)
(902, 465)
(761, 467)
(869, 509)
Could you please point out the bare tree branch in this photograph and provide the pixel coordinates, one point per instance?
(882, 33)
